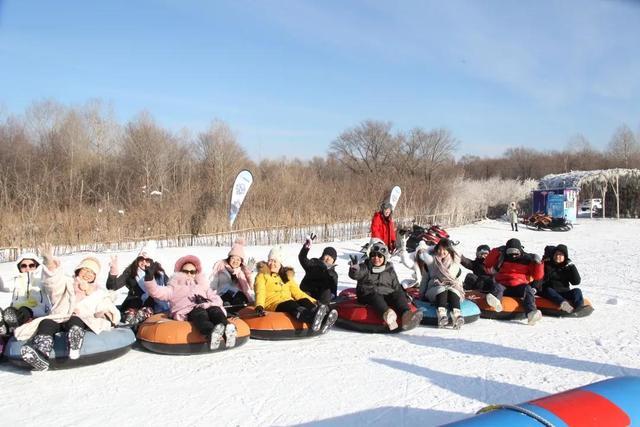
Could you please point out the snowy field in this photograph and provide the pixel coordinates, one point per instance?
(426, 376)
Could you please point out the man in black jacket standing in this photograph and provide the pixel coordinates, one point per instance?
(320, 278)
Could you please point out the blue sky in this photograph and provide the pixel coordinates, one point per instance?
(290, 76)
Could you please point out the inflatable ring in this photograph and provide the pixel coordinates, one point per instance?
(160, 334)
(275, 325)
(512, 308)
(549, 308)
(611, 402)
(96, 348)
(469, 310)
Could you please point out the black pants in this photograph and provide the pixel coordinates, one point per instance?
(573, 296)
(448, 297)
(302, 309)
(381, 303)
(514, 226)
(206, 319)
(51, 327)
(482, 283)
(321, 292)
(238, 299)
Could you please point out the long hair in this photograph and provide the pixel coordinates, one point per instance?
(447, 245)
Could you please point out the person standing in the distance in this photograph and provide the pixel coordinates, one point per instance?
(382, 226)
(512, 216)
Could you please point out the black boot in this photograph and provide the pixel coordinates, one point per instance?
(75, 338)
(36, 352)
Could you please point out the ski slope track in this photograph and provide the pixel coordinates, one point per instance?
(426, 376)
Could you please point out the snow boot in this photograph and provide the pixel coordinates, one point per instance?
(3, 329)
(36, 352)
(391, 319)
(329, 321)
(443, 319)
(494, 302)
(456, 318)
(410, 319)
(129, 317)
(75, 338)
(230, 334)
(216, 336)
(10, 316)
(143, 314)
(534, 316)
(566, 307)
(320, 313)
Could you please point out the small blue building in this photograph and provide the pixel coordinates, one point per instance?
(557, 202)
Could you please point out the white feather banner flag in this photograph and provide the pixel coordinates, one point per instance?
(240, 189)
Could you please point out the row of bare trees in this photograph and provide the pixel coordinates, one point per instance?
(74, 175)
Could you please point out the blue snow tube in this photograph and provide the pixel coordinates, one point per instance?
(611, 403)
(469, 310)
(96, 348)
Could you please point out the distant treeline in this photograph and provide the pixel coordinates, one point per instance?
(74, 174)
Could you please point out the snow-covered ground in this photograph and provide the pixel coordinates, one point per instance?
(426, 376)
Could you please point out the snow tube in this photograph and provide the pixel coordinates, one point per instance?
(160, 334)
(512, 308)
(611, 403)
(96, 348)
(361, 318)
(470, 312)
(275, 325)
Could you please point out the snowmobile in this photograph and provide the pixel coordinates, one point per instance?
(431, 235)
(540, 221)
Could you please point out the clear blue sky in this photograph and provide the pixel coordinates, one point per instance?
(289, 76)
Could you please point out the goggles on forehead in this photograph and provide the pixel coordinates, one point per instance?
(379, 249)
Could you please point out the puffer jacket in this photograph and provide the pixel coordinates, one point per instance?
(28, 291)
(271, 291)
(184, 293)
(384, 229)
(433, 285)
(383, 283)
(317, 274)
(516, 272)
(136, 291)
(560, 276)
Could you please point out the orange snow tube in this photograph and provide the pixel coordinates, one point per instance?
(275, 325)
(161, 334)
(512, 308)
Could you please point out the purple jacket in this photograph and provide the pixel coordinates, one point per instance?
(181, 294)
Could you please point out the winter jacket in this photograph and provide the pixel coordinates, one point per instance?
(271, 291)
(28, 292)
(184, 293)
(512, 214)
(513, 272)
(61, 292)
(317, 275)
(436, 282)
(224, 279)
(475, 265)
(383, 283)
(137, 290)
(560, 276)
(384, 229)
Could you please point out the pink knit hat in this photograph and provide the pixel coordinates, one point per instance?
(238, 249)
(188, 259)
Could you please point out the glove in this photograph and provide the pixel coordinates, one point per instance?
(402, 243)
(260, 311)
(151, 271)
(251, 262)
(354, 260)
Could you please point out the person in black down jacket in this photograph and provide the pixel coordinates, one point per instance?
(320, 278)
(378, 286)
(559, 274)
(479, 278)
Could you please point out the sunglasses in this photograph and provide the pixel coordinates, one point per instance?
(376, 255)
(27, 266)
(191, 272)
(147, 260)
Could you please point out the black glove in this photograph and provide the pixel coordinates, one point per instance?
(199, 299)
(150, 272)
(260, 311)
(354, 259)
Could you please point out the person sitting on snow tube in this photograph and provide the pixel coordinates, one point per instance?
(320, 279)
(378, 287)
(28, 299)
(443, 286)
(275, 291)
(231, 279)
(77, 305)
(559, 274)
(478, 278)
(138, 305)
(383, 228)
(190, 298)
(515, 274)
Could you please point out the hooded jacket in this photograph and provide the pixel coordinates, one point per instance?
(560, 276)
(271, 290)
(317, 274)
(384, 229)
(513, 271)
(383, 283)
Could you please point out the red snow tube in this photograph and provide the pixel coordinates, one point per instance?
(359, 317)
(512, 308)
(275, 325)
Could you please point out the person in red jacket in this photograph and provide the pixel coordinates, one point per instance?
(383, 228)
(515, 272)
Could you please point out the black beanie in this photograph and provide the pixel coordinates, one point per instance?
(483, 248)
(329, 250)
(514, 243)
(549, 251)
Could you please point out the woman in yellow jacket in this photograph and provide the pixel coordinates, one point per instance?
(275, 294)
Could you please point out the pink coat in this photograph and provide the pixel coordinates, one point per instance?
(181, 292)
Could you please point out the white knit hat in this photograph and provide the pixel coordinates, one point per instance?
(276, 254)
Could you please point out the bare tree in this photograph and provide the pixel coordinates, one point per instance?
(623, 146)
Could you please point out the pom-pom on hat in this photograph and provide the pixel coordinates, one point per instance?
(237, 249)
(90, 263)
(188, 259)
